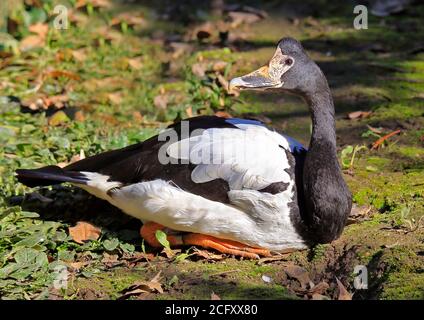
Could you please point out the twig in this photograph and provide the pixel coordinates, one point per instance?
(376, 144)
(224, 272)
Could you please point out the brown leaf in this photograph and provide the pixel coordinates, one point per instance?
(58, 101)
(115, 98)
(189, 112)
(108, 34)
(142, 287)
(179, 49)
(94, 3)
(375, 130)
(129, 18)
(320, 288)
(343, 293)
(207, 255)
(161, 101)
(135, 63)
(199, 69)
(137, 116)
(61, 73)
(214, 296)
(359, 213)
(75, 158)
(78, 264)
(79, 55)
(110, 260)
(170, 253)
(223, 114)
(35, 102)
(41, 29)
(78, 157)
(238, 18)
(219, 66)
(79, 116)
(31, 42)
(359, 114)
(298, 273)
(84, 231)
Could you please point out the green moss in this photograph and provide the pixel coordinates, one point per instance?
(404, 286)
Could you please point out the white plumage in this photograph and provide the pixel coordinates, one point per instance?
(251, 158)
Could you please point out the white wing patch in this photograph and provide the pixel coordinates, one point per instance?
(251, 158)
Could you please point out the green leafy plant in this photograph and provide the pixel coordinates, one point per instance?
(348, 155)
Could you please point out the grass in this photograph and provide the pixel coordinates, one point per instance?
(112, 87)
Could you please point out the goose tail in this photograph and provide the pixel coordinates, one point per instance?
(49, 175)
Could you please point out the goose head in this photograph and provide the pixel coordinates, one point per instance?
(289, 70)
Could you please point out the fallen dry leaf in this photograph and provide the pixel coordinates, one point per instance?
(343, 293)
(375, 130)
(84, 231)
(219, 66)
(93, 3)
(298, 273)
(358, 213)
(320, 288)
(207, 255)
(61, 73)
(199, 69)
(223, 114)
(31, 42)
(179, 49)
(110, 260)
(271, 259)
(129, 18)
(107, 34)
(160, 101)
(135, 63)
(359, 114)
(79, 55)
(142, 287)
(170, 253)
(380, 141)
(189, 112)
(214, 296)
(115, 98)
(79, 116)
(238, 18)
(41, 29)
(137, 116)
(75, 158)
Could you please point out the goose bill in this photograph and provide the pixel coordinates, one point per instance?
(266, 77)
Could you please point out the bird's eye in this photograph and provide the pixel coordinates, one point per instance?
(288, 62)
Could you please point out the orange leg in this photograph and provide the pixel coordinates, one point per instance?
(224, 246)
(148, 233)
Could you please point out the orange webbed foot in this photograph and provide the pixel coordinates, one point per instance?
(148, 232)
(225, 246)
